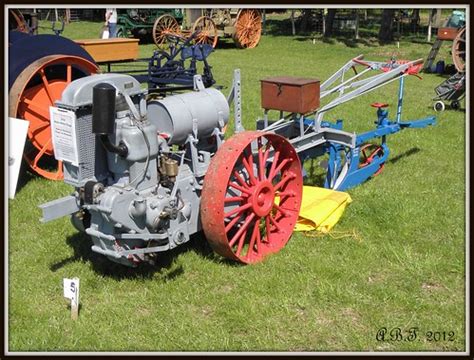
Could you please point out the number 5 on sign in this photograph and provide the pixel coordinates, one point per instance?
(71, 291)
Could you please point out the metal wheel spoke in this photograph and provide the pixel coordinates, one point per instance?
(237, 210)
(284, 180)
(68, 73)
(240, 188)
(231, 223)
(273, 221)
(46, 86)
(241, 244)
(40, 128)
(243, 228)
(249, 169)
(274, 162)
(233, 199)
(278, 168)
(286, 194)
(267, 228)
(261, 164)
(41, 153)
(240, 180)
(36, 109)
(253, 238)
(278, 208)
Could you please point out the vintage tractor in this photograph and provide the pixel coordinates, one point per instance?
(149, 175)
(243, 25)
(163, 23)
(140, 23)
(39, 69)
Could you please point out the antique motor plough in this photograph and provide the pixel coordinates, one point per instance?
(352, 158)
(147, 176)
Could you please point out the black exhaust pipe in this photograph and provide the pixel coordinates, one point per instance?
(103, 117)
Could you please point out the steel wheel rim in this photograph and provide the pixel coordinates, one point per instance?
(208, 31)
(164, 26)
(31, 102)
(249, 206)
(248, 28)
(459, 51)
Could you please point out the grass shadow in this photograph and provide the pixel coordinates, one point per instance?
(349, 41)
(223, 44)
(407, 153)
(25, 176)
(82, 243)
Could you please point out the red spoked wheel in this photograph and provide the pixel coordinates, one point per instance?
(251, 196)
(37, 88)
(367, 154)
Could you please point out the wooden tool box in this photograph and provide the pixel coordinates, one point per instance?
(291, 94)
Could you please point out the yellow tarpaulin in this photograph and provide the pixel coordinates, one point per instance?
(321, 209)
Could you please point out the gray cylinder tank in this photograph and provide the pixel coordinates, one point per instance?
(175, 115)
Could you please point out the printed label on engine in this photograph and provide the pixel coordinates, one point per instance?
(63, 130)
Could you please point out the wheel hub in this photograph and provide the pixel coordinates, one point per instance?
(263, 198)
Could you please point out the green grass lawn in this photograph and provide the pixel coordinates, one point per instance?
(396, 259)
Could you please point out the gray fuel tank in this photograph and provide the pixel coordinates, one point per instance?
(175, 115)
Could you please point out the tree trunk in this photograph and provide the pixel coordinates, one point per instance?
(415, 20)
(386, 31)
(357, 24)
(306, 15)
(293, 30)
(329, 22)
(430, 23)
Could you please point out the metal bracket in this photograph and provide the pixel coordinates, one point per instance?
(58, 208)
(236, 96)
(198, 85)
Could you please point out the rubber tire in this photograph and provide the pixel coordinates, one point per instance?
(455, 105)
(439, 106)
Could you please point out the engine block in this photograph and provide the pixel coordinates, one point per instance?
(140, 171)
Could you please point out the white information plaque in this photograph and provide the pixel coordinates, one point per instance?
(63, 130)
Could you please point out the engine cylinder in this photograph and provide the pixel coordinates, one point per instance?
(179, 115)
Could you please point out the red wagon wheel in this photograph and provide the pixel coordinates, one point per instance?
(249, 204)
(163, 27)
(248, 28)
(37, 88)
(207, 31)
(459, 50)
(368, 153)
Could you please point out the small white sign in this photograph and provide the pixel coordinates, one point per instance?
(16, 144)
(71, 289)
(63, 130)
